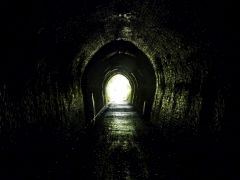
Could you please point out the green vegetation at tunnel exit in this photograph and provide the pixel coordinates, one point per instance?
(118, 89)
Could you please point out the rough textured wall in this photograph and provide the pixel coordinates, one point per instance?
(41, 79)
(179, 64)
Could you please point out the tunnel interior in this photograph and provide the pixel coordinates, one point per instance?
(119, 57)
(180, 58)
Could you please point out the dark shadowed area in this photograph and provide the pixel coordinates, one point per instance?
(180, 119)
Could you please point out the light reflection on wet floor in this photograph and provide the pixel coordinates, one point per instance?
(118, 155)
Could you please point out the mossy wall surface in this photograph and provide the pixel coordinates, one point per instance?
(41, 82)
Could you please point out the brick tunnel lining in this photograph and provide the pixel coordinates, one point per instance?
(189, 43)
(122, 57)
(46, 89)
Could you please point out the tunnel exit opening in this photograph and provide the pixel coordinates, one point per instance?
(118, 89)
(124, 59)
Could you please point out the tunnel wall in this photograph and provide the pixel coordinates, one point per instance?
(124, 58)
(40, 79)
(180, 72)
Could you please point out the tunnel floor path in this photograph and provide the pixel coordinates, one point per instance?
(118, 154)
(121, 146)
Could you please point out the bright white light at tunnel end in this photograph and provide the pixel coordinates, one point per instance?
(118, 89)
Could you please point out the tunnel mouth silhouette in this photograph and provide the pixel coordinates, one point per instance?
(118, 57)
(118, 89)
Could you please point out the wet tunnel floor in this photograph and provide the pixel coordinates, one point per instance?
(127, 147)
(120, 146)
(118, 151)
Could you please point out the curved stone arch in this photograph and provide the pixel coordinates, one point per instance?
(128, 59)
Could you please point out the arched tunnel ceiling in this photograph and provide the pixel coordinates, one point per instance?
(189, 48)
(190, 45)
(117, 53)
(119, 57)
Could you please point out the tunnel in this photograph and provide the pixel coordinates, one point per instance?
(118, 57)
(178, 118)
